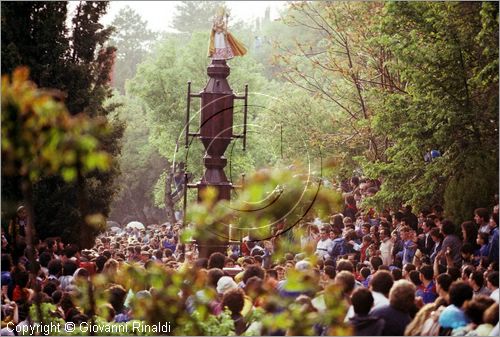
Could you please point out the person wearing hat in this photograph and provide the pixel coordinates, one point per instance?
(303, 265)
(225, 284)
(145, 256)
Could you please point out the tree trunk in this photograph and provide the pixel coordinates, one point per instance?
(86, 235)
(138, 210)
(169, 202)
(27, 191)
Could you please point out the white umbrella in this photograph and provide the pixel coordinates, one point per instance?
(135, 224)
(115, 229)
(111, 223)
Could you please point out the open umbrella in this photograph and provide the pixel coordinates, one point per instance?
(115, 229)
(111, 223)
(135, 224)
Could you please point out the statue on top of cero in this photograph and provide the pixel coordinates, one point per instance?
(223, 45)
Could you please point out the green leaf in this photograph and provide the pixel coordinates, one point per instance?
(69, 173)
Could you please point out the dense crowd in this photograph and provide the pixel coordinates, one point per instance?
(398, 273)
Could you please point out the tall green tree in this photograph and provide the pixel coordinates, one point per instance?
(192, 16)
(161, 83)
(447, 53)
(400, 80)
(75, 61)
(35, 34)
(71, 59)
(140, 164)
(40, 138)
(331, 56)
(133, 41)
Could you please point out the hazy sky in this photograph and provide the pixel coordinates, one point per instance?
(159, 13)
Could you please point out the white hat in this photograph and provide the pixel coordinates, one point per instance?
(143, 294)
(225, 284)
(303, 265)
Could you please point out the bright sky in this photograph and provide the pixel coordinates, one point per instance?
(159, 13)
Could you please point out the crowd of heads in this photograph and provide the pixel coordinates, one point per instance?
(394, 272)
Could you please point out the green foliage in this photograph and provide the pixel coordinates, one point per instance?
(67, 55)
(34, 34)
(39, 136)
(91, 62)
(192, 16)
(308, 126)
(161, 85)
(268, 197)
(472, 188)
(380, 85)
(446, 107)
(330, 57)
(221, 325)
(133, 42)
(42, 143)
(140, 165)
(165, 305)
(57, 59)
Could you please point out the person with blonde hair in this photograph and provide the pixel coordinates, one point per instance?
(110, 269)
(490, 321)
(418, 324)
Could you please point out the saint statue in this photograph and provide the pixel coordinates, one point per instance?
(222, 44)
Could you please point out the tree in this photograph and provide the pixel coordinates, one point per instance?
(332, 58)
(447, 53)
(255, 212)
(40, 138)
(75, 61)
(416, 78)
(34, 34)
(140, 165)
(161, 83)
(192, 16)
(133, 41)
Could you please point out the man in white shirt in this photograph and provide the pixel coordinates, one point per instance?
(492, 284)
(386, 245)
(324, 245)
(482, 217)
(380, 285)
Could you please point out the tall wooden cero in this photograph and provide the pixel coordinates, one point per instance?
(216, 133)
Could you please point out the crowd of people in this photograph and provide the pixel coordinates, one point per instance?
(395, 272)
